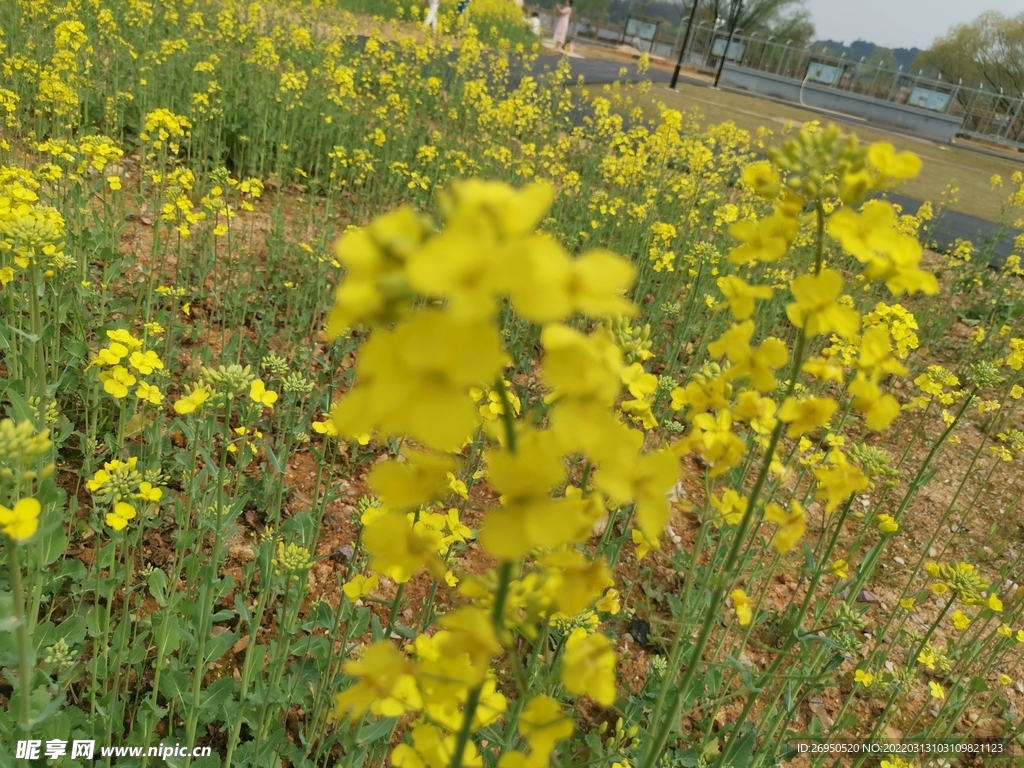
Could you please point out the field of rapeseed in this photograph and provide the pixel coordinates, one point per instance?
(374, 398)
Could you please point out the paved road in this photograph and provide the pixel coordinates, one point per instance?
(599, 72)
(991, 240)
(996, 241)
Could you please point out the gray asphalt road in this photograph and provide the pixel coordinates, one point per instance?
(598, 72)
(995, 242)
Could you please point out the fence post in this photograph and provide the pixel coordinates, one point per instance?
(1013, 120)
(895, 83)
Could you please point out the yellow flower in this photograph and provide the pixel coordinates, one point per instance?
(116, 381)
(193, 401)
(993, 603)
(816, 308)
(742, 604)
(22, 521)
(864, 678)
(398, 548)
(763, 179)
(325, 427)
(740, 295)
(145, 362)
(6, 275)
(543, 725)
(414, 379)
(840, 569)
(791, 525)
(259, 393)
(839, 482)
(883, 157)
(880, 409)
(147, 492)
(908, 603)
(380, 673)
(609, 603)
(1005, 679)
(765, 240)
(459, 531)
(960, 619)
(121, 514)
(642, 544)
(360, 586)
(457, 486)
(421, 478)
(731, 507)
(588, 666)
(149, 393)
(886, 523)
(806, 415)
(936, 690)
(759, 364)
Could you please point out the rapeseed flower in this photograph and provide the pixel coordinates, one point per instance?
(20, 522)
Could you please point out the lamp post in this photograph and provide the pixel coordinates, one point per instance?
(682, 48)
(733, 21)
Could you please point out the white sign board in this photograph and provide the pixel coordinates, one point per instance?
(926, 98)
(822, 73)
(736, 49)
(642, 29)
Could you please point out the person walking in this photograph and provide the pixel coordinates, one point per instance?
(563, 14)
(431, 19)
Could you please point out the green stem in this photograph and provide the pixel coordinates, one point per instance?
(26, 663)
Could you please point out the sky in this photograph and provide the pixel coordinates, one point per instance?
(898, 23)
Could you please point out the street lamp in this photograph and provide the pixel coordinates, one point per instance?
(733, 20)
(682, 48)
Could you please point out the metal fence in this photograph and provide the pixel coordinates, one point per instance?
(985, 114)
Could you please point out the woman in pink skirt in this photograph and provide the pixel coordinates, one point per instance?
(563, 14)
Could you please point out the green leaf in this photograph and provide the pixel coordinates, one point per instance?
(375, 730)
(7, 621)
(214, 697)
(174, 685)
(218, 645)
(158, 587)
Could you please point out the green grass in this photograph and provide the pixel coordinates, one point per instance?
(970, 169)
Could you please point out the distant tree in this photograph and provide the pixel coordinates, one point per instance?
(591, 9)
(882, 57)
(785, 19)
(988, 50)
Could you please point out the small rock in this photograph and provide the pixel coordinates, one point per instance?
(676, 492)
(868, 597)
(1018, 687)
(343, 554)
(817, 708)
(241, 645)
(933, 552)
(899, 561)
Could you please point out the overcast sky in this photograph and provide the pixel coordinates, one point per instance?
(898, 23)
